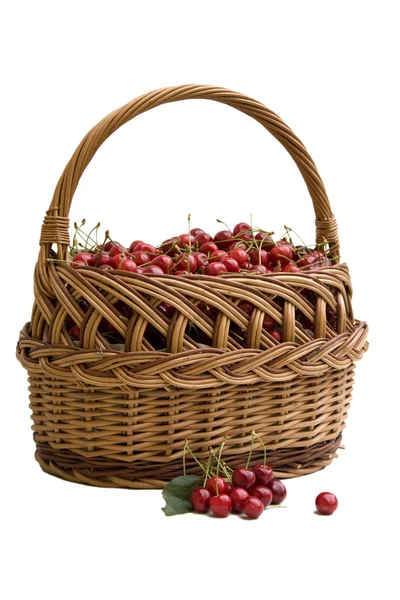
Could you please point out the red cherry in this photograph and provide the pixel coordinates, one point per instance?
(220, 506)
(244, 478)
(179, 272)
(231, 264)
(185, 239)
(170, 246)
(154, 269)
(278, 491)
(236, 245)
(260, 257)
(305, 261)
(246, 307)
(208, 247)
(253, 507)
(85, 257)
(102, 258)
(326, 503)
(246, 237)
(140, 257)
(239, 254)
(217, 255)
(263, 474)
(211, 485)
(78, 263)
(260, 269)
(167, 309)
(238, 496)
(223, 239)
(240, 228)
(134, 245)
(200, 499)
(164, 262)
(117, 260)
(128, 265)
(186, 262)
(147, 248)
(263, 493)
(75, 332)
(195, 231)
(202, 238)
(229, 488)
(267, 241)
(106, 267)
(201, 258)
(268, 323)
(290, 268)
(117, 250)
(215, 269)
(282, 254)
(277, 335)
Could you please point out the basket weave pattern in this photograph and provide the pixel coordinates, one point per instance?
(112, 417)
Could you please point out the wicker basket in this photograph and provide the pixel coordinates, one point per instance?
(120, 418)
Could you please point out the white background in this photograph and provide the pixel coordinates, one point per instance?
(330, 70)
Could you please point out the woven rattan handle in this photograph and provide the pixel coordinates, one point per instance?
(55, 228)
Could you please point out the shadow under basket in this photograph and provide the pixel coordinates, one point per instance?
(119, 417)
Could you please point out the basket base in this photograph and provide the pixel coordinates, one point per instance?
(287, 463)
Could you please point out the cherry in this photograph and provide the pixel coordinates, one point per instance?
(211, 485)
(167, 309)
(290, 268)
(217, 255)
(236, 245)
(253, 507)
(152, 269)
(246, 237)
(170, 246)
(102, 258)
(202, 238)
(277, 335)
(326, 503)
(263, 473)
(223, 239)
(208, 247)
(185, 239)
(268, 323)
(180, 272)
(239, 254)
(106, 267)
(186, 262)
(147, 248)
(140, 257)
(201, 258)
(231, 264)
(238, 496)
(85, 257)
(75, 332)
(200, 499)
(134, 245)
(305, 261)
(117, 250)
(282, 254)
(117, 260)
(78, 263)
(246, 307)
(244, 478)
(240, 228)
(267, 241)
(215, 269)
(164, 262)
(229, 488)
(260, 269)
(263, 493)
(196, 230)
(278, 491)
(220, 506)
(128, 264)
(260, 257)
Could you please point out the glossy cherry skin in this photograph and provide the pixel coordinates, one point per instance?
(154, 269)
(263, 473)
(128, 265)
(164, 262)
(260, 257)
(238, 496)
(186, 262)
(282, 254)
(268, 323)
(140, 257)
(223, 239)
(167, 309)
(147, 248)
(231, 264)
(85, 257)
(200, 499)
(201, 258)
(75, 332)
(253, 507)
(326, 503)
(134, 245)
(247, 307)
(261, 269)
(211, 485)
(186, 239)
(116, 260)
(239, 254)
(277, 335)
(267, 241)
(221, 505)
(263, 493)
(217, 255)
(208, 247)
(215, 269)
(244, 478)
(278, 491)
(290, 268)
(117, 250)
(241, 228)
(195, 231)
(201, 238)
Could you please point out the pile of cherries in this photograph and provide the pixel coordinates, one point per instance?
(243, 249)
(249, 492)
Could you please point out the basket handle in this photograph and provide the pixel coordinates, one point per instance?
(55, 229)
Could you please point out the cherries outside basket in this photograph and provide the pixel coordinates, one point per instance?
(115, 418)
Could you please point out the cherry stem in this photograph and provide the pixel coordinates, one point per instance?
(223, 223)
(184, 457)
(207, 470)
(218, 463)
(193, 456)
(263, 445)
(251, 449)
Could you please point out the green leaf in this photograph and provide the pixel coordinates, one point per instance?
(177, 494)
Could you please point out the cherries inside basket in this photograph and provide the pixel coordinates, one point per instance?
(243, 250)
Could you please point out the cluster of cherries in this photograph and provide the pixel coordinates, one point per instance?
(249, 492)
(243, 249)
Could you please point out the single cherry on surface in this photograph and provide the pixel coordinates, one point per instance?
(264, 474)
(221, 505)
(200, 499)
(326, 503)
(263, 493)
(278, 491)
(244, 478)
(253, 507)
